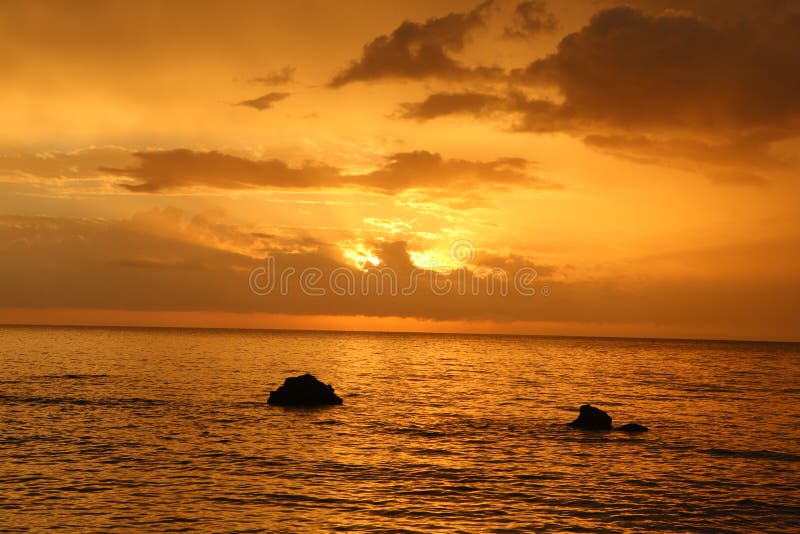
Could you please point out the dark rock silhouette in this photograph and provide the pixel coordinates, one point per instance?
(304, 390)
(591, 418)
(632, 427)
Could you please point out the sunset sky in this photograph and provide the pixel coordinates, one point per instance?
(643, 157)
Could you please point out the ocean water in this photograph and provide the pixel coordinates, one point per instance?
(168, 430)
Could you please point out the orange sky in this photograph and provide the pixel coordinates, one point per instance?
(642, 160)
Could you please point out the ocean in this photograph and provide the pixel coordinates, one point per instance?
(166, 430)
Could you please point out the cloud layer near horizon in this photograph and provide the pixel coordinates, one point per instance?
(158, 261)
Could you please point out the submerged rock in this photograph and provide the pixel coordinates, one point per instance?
(632, 427)
(304, 390)
(591, 418)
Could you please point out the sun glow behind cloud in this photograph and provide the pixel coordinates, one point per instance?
(358, 254)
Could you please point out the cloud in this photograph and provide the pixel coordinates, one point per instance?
(727, 162)
(488, 105)
(668, 88)
(264, 102)
(277, 77)
(674, 72)
(422, 169)
(172, 169)
(424, 176)
(439, 104)
(160, 170)
(420, 50)
(530, 19)
(722, 11)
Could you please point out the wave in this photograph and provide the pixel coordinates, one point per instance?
(702, 387)
(754, 454)
(272, 498)
(75, 376)
(419, 432)
(134, 402)
(69, 376)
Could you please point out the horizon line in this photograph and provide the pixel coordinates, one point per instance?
(407, 332)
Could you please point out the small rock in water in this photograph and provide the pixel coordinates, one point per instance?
(633, 427)
(304, 390)
(591, 418)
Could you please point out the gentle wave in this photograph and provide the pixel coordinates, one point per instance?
(755, 454)
(75, 376)
(134, 402)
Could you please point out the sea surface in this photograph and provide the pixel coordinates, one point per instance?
(161, 430)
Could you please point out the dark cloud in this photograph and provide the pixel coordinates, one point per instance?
(420, 50)
(439, 104)
(277, 77)
(721, 11)
(530, 19)
(727, 161)
(160, 170)
(172, 169)
(421, 169)
(674, 72)
(264, 102)
(667, 87)
(486, 105)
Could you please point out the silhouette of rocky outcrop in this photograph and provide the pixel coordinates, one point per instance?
(632, 427)
(591, 418)
(304, 390)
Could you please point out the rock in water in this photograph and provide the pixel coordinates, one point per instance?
(304, 390)
(633, 427)
(591, 418)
